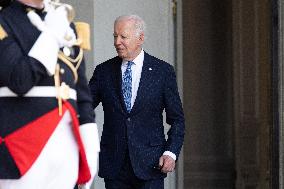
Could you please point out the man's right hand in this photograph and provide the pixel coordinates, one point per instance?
(167, 163)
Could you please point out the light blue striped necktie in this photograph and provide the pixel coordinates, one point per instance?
(127, 86)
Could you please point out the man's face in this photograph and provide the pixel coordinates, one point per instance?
(126, 42)
(32, 2)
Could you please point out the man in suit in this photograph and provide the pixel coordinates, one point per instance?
(135, 88)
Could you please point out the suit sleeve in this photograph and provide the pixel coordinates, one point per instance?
(174, 113)
(95, 87)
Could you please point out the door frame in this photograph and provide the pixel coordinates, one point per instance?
(278, 87)
(276, 93)
(179, 72)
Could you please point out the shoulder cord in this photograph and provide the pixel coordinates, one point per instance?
(73, 64)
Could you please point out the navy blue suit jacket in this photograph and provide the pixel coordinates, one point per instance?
(142, 130)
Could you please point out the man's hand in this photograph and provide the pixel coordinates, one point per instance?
(167, 163)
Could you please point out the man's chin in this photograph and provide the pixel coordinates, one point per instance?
(121, 55)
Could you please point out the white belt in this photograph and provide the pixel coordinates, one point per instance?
(38, 91)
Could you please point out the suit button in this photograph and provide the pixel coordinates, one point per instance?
(128, 119)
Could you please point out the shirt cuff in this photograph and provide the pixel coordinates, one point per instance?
(172, 155)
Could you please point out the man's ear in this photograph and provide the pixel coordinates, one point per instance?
(141, 38)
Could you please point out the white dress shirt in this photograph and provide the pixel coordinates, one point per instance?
(136, 69)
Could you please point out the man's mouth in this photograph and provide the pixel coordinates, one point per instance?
(119, 50)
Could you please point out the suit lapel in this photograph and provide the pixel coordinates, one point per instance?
(144, 84)
(117, 80)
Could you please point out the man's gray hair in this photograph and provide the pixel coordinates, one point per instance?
(139, 23)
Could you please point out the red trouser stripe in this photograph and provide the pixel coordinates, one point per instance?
(84, 171)
(26, 143)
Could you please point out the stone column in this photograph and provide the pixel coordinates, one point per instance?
(207, 86)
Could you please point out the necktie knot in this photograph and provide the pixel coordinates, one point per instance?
(129, 64)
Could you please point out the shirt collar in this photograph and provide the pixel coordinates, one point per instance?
(137, 61)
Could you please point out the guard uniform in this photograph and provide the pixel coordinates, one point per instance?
(36, 114)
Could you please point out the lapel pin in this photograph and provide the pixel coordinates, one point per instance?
(150, 69)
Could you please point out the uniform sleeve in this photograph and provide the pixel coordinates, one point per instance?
(18, 71)
(84, 99)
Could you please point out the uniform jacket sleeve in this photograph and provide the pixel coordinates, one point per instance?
(18, 71)
(84, 99)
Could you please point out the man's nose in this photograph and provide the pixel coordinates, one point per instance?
(117, 41)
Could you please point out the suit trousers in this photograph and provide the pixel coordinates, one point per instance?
(127, 179)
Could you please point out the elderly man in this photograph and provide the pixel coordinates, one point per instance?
(134, 89)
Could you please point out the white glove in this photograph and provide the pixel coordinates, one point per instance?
(55, 28)
(90, 138)
(55, 23)
(70, 35)
(47, 5)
